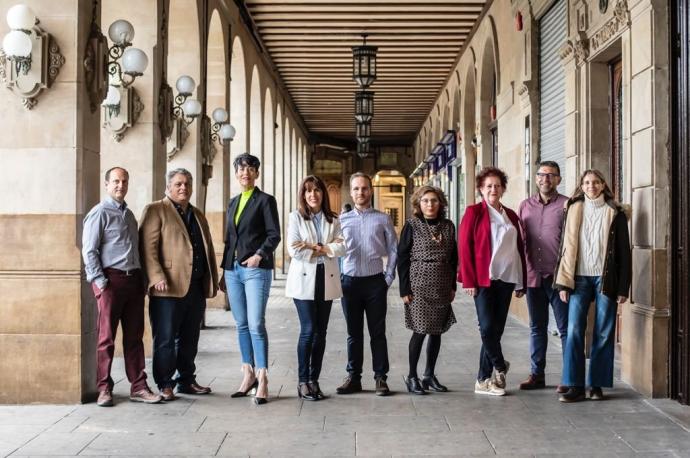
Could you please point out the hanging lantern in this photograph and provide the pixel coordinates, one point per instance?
(364, 106)
(363, 132)
(364, 64)
(363, 149)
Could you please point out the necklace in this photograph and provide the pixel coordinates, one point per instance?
(435, 237)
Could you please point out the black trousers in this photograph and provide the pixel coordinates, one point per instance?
(176, 325)
(492, 306)
(365, 295)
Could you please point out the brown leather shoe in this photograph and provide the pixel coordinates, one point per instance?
(168, 394)
(145, 395)
(533, 382)
(562, 389)
(349, 386)
(193, 388)
(105, 399)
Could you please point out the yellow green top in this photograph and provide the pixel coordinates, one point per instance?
(244, 198)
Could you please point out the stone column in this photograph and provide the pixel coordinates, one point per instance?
(50, 162)
(646, 319)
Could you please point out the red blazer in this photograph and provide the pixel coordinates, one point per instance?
(474, 246)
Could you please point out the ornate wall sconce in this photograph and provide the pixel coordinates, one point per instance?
(121, 109)
(118, 65)
(181, 113)
(221, 130)
(30, 60)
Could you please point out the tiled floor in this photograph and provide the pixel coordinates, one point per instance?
(457, 423)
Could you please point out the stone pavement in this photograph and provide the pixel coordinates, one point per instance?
(457, 423)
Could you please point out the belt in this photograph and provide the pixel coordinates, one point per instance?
(126, 273)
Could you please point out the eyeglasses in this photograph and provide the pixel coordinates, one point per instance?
(550, 176)
(429, 201)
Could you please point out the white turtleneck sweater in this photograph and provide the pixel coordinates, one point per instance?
(592, 245)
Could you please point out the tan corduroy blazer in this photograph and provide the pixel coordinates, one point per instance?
(166, 250)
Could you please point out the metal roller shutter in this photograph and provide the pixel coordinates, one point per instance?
(553, 30)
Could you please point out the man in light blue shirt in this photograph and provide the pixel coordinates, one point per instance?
(369, 237)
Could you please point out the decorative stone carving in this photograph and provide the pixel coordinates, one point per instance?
(566, 51)
(577, 48)
(582, 16)
(615, 25)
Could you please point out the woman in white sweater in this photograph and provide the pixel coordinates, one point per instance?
(314, 243)
(594, 265)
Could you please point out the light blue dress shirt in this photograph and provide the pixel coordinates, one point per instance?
(369, 237)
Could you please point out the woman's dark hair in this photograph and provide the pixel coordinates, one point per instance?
(608, 194)
(311, 182)
(417, 197)
(246, 160)
(487, 172)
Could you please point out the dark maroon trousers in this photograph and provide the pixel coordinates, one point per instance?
(122, 301)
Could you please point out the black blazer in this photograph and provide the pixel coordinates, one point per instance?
(258, 231)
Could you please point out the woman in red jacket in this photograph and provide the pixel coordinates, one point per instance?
(492, 266)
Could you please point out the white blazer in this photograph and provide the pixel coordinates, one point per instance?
(301, 279)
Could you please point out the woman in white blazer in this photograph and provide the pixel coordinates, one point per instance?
(314, 243)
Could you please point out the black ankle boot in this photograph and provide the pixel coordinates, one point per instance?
(413, 385)
(431, 383)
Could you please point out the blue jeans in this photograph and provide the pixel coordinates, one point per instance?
(313, 320)
(176, 325)
(538, 300)
(587, 289)
(248, 289)
(492, 306)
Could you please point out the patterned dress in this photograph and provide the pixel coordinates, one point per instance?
(427, 271)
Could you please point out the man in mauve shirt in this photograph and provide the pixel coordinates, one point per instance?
(541, 217)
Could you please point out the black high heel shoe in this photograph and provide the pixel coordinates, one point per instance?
(305, 392)
(241, 394)
(316, 389)
(413, 385)
(432, 383)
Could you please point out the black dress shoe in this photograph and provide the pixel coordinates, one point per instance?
(349, 386)
(316, 389)
(431, 383)
(260, 401)
(382, 387)
(413, 385)
(595, 394)
(193, 388)
(241, 394)
(574, 394)
(304, 392)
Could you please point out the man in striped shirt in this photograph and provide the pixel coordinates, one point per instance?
(369, 237)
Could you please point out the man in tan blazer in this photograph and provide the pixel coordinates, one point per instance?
(180, 264)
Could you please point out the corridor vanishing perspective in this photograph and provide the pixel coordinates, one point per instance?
(410, 93)
(457, 423)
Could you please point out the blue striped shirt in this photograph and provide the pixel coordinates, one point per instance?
(369, 236)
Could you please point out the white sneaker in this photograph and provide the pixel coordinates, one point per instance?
(488, 387)
(500, 380)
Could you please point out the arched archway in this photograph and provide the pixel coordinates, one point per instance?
(269, 139)
(184, 56)
(469, 135)
(390, 195)
(218, 190)
(488, 94)
(255, 118)
(238, 105)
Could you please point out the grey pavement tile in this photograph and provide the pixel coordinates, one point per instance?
(149, 444)
(289, 444)
(620, 421)
(578, 442)
(654, 440)
(523, 420)
(365, 403)
(406, 443)
(32, 415)
(276, 406)
(268, 424)
(67, 424)
(144, 422)
(393, 424)
(57, 444)
(13, 437)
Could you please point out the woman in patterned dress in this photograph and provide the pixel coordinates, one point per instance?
(427, 262)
